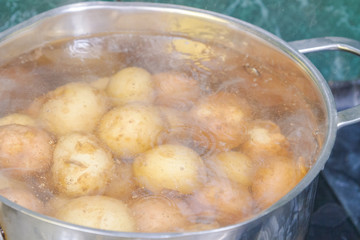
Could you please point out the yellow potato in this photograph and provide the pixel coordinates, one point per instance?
(234, 165)
(97, 212)
(131, 84)
(131, 129)
(225, 116)
(157, 214)
(81, 166)
(122, 182)
(73, 107)
(174, 89)
(17, 118)
(169, 166)
(24, 198)
(265, 140)
(274, 180)
(25, 149)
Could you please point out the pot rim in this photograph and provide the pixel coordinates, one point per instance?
(260, 33)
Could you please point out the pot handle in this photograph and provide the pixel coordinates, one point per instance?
(348, 116)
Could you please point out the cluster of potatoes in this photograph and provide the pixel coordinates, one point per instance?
(144, 152)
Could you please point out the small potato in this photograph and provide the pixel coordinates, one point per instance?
(24, 198)
(131, 84)
(226, 116)
(265, 139)
(81, 166)
(234, 165)
(17, 118)
(131, 129)
(55, 203)
(122, 182)
(98, 212)
(169, 166)
(73, 107)
(25, 150)
(174, 89)
(157, 214)
(274, 180)
(223, 201)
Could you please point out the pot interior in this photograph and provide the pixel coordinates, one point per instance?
(88, 43)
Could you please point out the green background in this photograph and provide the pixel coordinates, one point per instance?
(288, 19)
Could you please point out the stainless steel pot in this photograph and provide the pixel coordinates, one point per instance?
(289, 217)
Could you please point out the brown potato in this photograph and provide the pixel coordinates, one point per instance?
(98, 212)
(175, 89)
(25, 150)
(130, 129)
(169, 166)
(74, 107)
(132, 84)
(81, 166)
(275, 179)
(225, 116)
(157, 214)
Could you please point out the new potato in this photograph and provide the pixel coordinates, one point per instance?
(169, 166)
(81, 166)
(130, 129)
(98, 212)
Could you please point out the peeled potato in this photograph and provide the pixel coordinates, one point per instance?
(24, 198)
(131, 84)
(122, 182)
(25, 149)
(17, 118)
(73, 107)
(223, 201)
(226, 116)
(233, 165)
(169, 166)
(274, 180)
(174, 89)
(130, 129)
(98, 212)
(81, 166)
(157, 214)
(265, 139)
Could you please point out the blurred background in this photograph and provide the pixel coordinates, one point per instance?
(337, 209)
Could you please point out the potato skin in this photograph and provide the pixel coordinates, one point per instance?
(24, 149)
(132, 84)
(169, 166)
(130, 129)
(225, 116)
(74, 107)
(157, 214)
(98, 212)
(234, 165)
(223, 201)
(175, 89)
(274, 180)
(81, 166)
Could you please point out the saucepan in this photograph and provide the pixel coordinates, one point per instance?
(233, 44)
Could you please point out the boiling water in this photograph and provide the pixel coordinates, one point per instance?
(275, 94)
